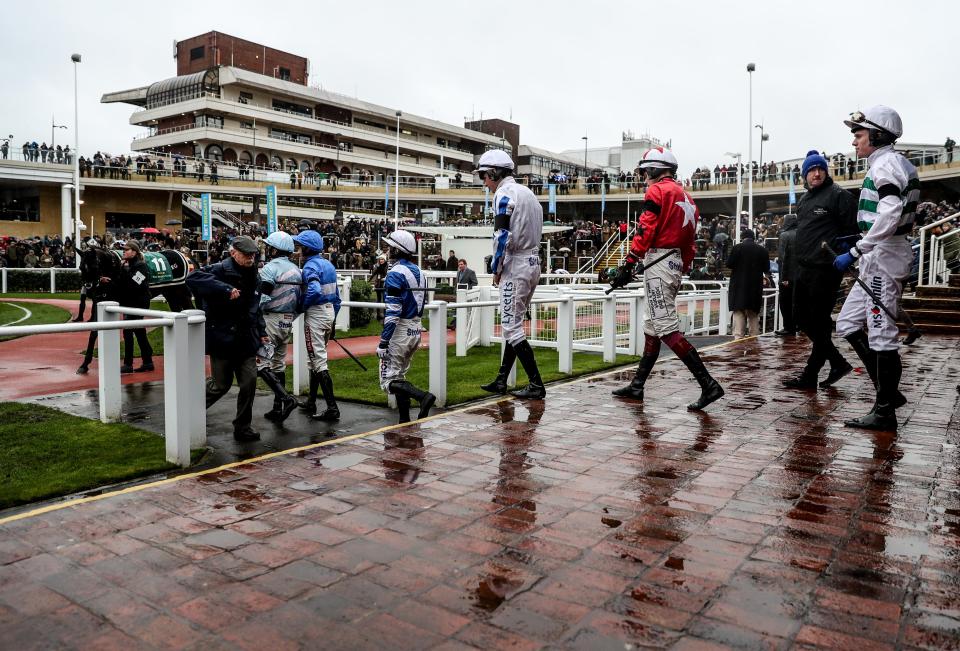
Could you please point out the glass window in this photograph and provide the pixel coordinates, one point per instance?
(196, 53)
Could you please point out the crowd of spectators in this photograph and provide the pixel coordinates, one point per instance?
(39, 252)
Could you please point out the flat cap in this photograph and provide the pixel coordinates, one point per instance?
(244, 244)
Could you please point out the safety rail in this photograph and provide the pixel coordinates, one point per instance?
(184, 348)
(932, 263)
(592, 265)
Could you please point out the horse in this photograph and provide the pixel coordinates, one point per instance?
(168, 274)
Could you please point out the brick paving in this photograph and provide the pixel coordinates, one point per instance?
(578, 522)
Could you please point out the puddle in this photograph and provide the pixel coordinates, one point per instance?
(341, 461)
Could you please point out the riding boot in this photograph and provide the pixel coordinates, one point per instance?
(403, 400)
(860, 344)
(425, 399)
(710, 389)
(635, 388)
(310, 404)
(283, 402)
(499, 385)
(332, 412)
(535, 389)
(883, 416)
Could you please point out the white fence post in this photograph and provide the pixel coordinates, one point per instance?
(487, 317)
(565, 309)
(638, 316)
(301, 367)
(176, 390)
(610, 328)
(197, 347)
(3, 272)
(109, 365)
(463, 324)
(53, 281)
(724, 310)
(343, 317)
(438, 351)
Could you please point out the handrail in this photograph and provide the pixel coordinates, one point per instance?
(922, 233)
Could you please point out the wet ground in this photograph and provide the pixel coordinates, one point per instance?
(576, 522)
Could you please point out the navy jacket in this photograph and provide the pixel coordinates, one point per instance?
(234, 327)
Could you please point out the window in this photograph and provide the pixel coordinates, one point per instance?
(290, 107)
(246, 125)
(196, 53)
(245, 98)
(284, 74)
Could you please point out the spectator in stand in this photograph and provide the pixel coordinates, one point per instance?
(214, 178)
(851, 166)
(30, 260)
(46, 259)
(748, 263)
(948, 146)
(452, 261)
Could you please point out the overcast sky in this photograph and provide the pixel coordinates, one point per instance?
(676, 70)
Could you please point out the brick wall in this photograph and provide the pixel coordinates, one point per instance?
(226, 50)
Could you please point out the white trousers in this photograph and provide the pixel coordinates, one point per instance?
(883, 270)
(519, 279)
(403, 344)
(279, 327)
(317, 328)
(661, 283)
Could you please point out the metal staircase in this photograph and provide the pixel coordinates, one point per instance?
(611, 254)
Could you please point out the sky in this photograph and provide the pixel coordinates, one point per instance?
(562, 69)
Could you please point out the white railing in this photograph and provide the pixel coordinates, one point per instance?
(50, 271)
(184, 348)
(934, 260)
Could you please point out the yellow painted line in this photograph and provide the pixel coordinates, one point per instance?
(313, 446)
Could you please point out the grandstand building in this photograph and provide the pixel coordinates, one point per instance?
(244, 103)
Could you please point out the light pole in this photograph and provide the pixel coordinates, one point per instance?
(396, 180)
(76, 153)
(750, 68)
(738, 156)
(53, 127)
(764, 136)
(584, 138)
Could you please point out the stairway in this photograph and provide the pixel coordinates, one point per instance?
(936, 308)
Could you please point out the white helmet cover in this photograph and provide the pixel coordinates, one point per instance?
(877, 117)
(495, 158)
(659, 158)
(281, 241)
(402, 240)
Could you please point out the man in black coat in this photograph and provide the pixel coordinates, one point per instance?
(787, 261)
(749, 262)
(228, 292)
(826, 213)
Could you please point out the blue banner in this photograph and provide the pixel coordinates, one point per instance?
(486, 202)
(205, 230)
(793, 195)
(271, 209)
(552, 194)
(603, 198)
(386, 198)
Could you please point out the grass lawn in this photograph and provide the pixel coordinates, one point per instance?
(40, 314)
(464, 374)
(72, 296)
(45, 453)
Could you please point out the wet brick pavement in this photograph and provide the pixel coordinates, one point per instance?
(578, 522)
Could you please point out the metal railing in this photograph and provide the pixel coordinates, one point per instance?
(933, 261)
(184, 348)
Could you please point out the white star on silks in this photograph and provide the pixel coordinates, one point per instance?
(689, 212)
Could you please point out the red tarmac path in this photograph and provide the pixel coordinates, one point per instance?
(47, 364)
(578, 522)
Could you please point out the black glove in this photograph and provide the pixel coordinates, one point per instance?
(624, 275)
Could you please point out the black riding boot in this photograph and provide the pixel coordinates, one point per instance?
(310, 404)
(635, 388)
(883, 416)
(861, 346)
(332, 412)
(499, 385)
(403, 400)
(283, 402)
(535, 389)
(425, 399)
(710, 389)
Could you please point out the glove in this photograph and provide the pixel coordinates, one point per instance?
(842, 262)
(841, 246)
(624, 276)
(382, 350)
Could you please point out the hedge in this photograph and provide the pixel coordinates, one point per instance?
(38, 280)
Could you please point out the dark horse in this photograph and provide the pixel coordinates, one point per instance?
(97, 263)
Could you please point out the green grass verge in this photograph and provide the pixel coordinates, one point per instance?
(40, 314)
(75, 296)
(45, 453)
(464, 374)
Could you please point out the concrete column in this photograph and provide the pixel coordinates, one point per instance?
(66, 212)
